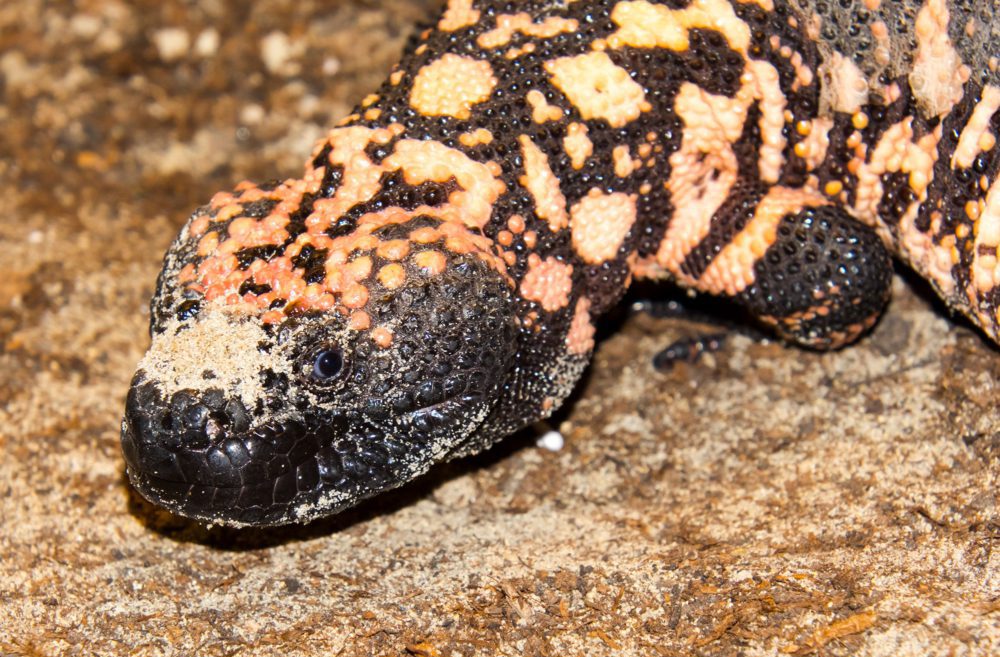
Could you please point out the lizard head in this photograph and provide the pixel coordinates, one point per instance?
(250, 409)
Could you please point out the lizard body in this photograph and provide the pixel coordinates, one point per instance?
(430, 284)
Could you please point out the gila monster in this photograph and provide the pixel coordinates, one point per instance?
(430, 284)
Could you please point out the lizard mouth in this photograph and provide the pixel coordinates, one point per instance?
(207, 463)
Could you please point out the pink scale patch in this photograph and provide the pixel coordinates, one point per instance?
(580, 338)
(382, 337)
(600, 223)
(547, 282)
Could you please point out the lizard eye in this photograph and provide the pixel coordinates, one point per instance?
(328, 364)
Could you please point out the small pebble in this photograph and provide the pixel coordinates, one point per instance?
(551, 440)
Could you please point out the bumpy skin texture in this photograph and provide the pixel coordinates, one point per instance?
(430, 284)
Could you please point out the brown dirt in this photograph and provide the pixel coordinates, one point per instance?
(763, 501)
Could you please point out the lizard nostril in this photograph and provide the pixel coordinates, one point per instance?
(195, 418)
(213, 429)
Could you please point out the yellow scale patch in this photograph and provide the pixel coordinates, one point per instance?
(577, 144)
(459, 14)
(976, 136)
(599, 88)
(542, 184)
(507, 25)
(938, 73)
(451, 85)
(647, 25)
(541, 111)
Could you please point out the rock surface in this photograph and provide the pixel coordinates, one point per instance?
(762, 501)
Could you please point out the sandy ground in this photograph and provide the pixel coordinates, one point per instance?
(764, 501)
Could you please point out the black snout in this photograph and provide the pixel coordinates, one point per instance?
(197, 455)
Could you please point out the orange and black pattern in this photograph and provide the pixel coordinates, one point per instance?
(430, 284)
